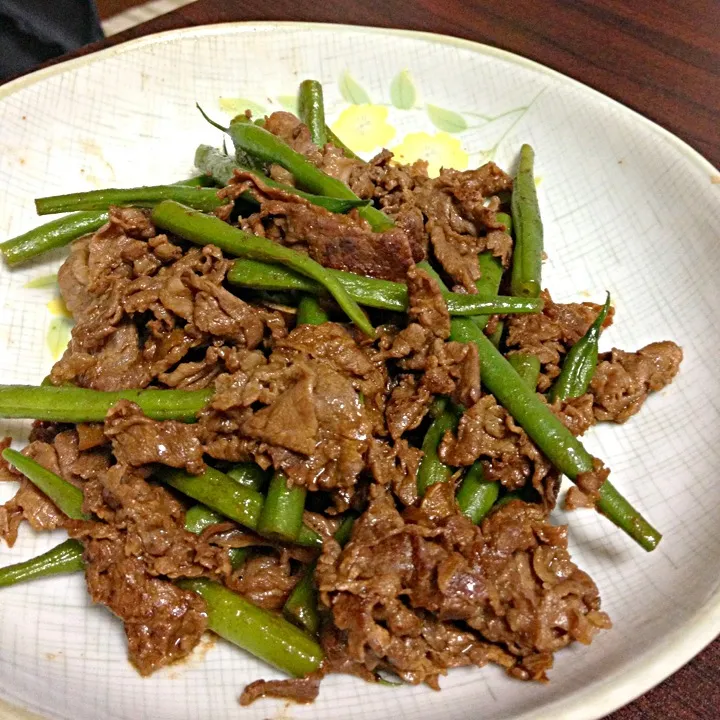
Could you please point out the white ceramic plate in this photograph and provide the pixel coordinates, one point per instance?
(627, 208)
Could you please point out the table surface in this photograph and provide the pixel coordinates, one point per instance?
(659, 57)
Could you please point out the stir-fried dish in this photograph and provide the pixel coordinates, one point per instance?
(322, 407)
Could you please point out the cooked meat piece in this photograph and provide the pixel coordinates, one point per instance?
(550, 334)
(31, 505)
(427, 304)
(576, 413)
(623, 380)
(265, 580)
(137, 440)
(302, 690)
(403, 580)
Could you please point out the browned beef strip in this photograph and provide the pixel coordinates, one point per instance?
(623, 381)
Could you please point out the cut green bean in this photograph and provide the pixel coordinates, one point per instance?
(311, 110)
(527, 366)
(301, 605)
(372, 292)
(248, 474)
(60, 560)
(506, 220)
(432, 470)
(491, 272)
(205, 230)
(67, 497)
(218, 492)
(265, 146)
(263, 634)
(310, 312)
(580, 363)
(338, 143)
(525, 278)
(60, 232)
(205, 199)
(496, 336)
(476, 496)
(222, 168)
(76, 405)
(282, 513)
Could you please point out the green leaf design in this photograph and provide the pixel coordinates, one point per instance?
(42, 282)
(351, 91)
(289, 102)
(402, 91)
(236, 106)
(58, 336)
(446, 120)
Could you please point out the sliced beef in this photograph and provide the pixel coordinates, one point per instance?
(137, 440)
(623, 380)
(265, 579)
(402, 582)
(550, 334)
(299, 690)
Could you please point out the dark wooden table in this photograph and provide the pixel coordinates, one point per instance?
(659, 57)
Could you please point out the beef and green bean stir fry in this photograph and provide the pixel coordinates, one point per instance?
(322, 407)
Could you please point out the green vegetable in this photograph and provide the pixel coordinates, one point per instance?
(64, 558)
(432, 470)
(205, 199)
(311, 110)
(337, 142)
(506, 220)
(371, 292)
(222, 168)
(282, 513)
(310, 312)
(248, 474)
(497, 334)
(205, 230)
(527, 366)
(528, 251)
(265, 146)
(491, 273)
(476, 496)
(262, 633)
(60, 232)
(67, 497)
(74, 405)
(580, 363)
(218, 492)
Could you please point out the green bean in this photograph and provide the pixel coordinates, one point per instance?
(491, 272)
(265, 146)
(310, 312)
(218, 492)
(204, 230)
(260, 632)
(432, 470)
(199, 518)
(372, 292)
(437, 406)
(57, 233)
(67, 497)
(580, 363)
(75, 405)
(60, 232)
(311, 110)
(301, 605)
(476, 496)
(506, 220)
(64, 558)
(338, 143)
(226, 496)
(205, 199)
(564, 450)
(282, 513)
(527, 366)
(525, 278)
(222, 168)
(248, 474)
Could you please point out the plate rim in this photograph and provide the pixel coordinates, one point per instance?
(686, 641)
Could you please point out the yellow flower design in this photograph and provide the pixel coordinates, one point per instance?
(364, 127)
(440, 150)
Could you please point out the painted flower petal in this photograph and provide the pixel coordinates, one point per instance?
(364, 127)
(440, 150)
